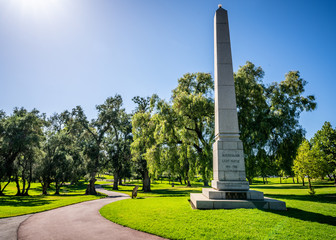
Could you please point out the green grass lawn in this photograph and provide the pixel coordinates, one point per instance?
(11, 205)
(166, 212)
(159, 189)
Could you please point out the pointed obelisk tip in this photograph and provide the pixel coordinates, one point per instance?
(220, 8)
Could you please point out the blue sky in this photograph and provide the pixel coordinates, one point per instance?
(56, 54)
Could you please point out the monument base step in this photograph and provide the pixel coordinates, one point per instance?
(200, 201)
(230, 185)
(232, 195)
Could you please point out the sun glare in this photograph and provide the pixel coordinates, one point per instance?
(36, 8)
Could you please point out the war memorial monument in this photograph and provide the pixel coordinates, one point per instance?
(229, 186)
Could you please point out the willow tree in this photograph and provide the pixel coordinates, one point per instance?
(95, 134)
(117, 147)
(186, 126)
(269, 118)
(143, 137)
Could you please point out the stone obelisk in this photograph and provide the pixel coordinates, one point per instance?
(229, 186)
(228, 154)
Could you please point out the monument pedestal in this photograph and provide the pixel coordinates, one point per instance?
(230, 188)
(214, 199)
(200, 201)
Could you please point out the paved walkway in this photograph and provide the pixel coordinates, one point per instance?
(9, 227)
(79, 221)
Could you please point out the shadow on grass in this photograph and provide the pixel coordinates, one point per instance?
(275, 186)
(174, 192)
(80, 186)
(307, 216)
(31, 201)
(26, 201)
(167, 192)
(321, 198)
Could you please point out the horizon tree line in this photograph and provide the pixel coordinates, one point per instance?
(172, 138)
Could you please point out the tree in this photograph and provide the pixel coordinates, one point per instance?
(117, 147)
(61, 161)
(324, 145)
(287, 102)
(143, 138)
(171, 133)
(96, 132)
(304, 163)
(193, 106)
(269, 117)
(253, 116)
(20, 144)
(5, 170)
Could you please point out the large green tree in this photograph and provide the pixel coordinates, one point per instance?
(305, 163)
(143, 137)
(96, 132)
(5, 171)
(324, 145)
(269, 118)
(182, 130)
(117, 147)
(193, 105)
(21, 137)
(60, 162)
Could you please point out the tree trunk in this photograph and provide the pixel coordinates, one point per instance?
(91, 189)
(293, 180)
(18, 193)
(115, 180)
(280, 180)
(187, 181)
(146, 182)
(2, 189)
(309, 183)
(264, 180)
(27, 189)
(205, 183)
(44, 188)
(335, 178)
(29, 179)
(297, 180)
(250, 180)
(303, 182)
(120, 181)
(57, 188)
(330, 179)
(23, 183)
(188, 185)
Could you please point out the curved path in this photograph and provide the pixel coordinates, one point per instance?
(79, 221)
(10, 225)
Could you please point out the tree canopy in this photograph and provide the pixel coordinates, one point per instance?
(172, 138)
